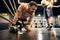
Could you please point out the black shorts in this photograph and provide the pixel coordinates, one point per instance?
(22, 20)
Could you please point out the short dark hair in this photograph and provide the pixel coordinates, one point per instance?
(31, 3)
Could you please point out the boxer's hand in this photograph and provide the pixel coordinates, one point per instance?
(49, 7)
(13, 24)
(43, 3)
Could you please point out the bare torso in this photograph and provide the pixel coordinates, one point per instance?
(25, 12)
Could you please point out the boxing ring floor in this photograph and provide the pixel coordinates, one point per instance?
(35, 34)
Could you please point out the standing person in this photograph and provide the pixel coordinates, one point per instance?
(25, 11)
(47, 5)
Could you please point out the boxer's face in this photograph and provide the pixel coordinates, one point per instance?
(32, 8)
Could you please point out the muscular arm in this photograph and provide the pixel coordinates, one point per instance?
(30, 19)
(50, 5)
(18, 13)
(43, 3)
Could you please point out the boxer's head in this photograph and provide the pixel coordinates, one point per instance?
(32, 6)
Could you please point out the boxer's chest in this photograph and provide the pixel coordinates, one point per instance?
(25, 14)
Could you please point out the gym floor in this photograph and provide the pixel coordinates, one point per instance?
(35, 34)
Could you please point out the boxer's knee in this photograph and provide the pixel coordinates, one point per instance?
(28, 27)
